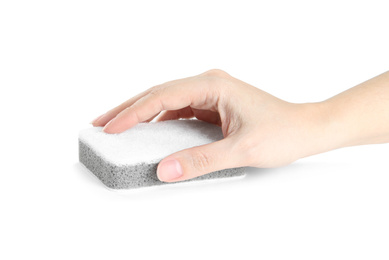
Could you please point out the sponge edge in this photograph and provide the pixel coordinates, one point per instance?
(130, 159)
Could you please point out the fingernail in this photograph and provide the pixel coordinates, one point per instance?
(169, 170)
(97, 118)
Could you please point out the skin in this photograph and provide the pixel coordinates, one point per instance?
(259, 130)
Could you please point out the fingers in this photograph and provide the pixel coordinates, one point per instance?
(200, 84)
(200, 160)
(192, 93)
(105, 118)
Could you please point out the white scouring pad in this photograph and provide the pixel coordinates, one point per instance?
(130, 159)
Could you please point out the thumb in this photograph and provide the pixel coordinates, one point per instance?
(196, 161)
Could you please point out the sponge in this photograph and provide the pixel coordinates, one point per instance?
(130, 159)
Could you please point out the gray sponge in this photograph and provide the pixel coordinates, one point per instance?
(130, 159)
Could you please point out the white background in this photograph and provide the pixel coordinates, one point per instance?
(62, 63)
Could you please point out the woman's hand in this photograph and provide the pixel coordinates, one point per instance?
(259, 129)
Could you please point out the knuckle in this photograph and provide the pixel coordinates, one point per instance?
(201, 161)
(154, 88)
(216, 80)
(216, 73)
(156, 91)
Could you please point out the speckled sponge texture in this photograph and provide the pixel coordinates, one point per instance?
(129, 159)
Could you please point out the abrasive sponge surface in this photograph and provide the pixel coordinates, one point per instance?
(130, 159)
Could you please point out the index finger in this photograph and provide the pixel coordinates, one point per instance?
(196, 93)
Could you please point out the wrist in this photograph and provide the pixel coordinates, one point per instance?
(322, 131)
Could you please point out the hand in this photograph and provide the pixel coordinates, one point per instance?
(259, 129)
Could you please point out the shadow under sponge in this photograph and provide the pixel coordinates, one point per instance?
(130, 159)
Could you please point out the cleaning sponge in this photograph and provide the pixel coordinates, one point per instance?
(130, 159)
